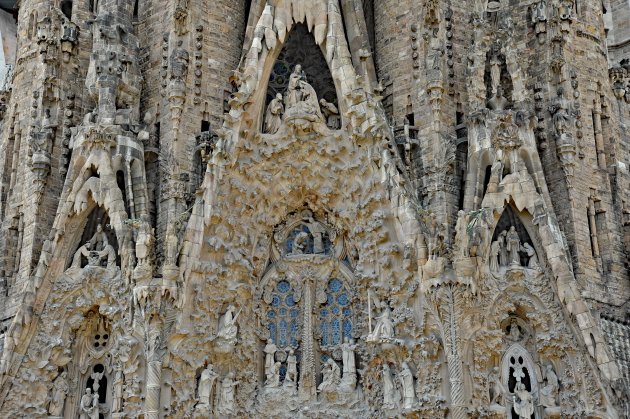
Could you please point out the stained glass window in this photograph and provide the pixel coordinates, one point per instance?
(335, 315)
(283, 316)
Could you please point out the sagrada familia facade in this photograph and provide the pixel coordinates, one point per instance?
(314, 208)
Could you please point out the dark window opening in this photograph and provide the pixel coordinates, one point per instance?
(135, 10)
(411, 119)
(205, 126)
(486, 180)
(122, 185)
(66, 8)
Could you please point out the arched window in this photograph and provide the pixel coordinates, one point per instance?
(518, 371)
(283, 316)
(335, 314)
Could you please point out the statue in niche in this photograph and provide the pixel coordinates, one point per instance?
(179, 62)
(513, 245)
(85, 406)
(225, 403)
(270, 355)
(228, 329)
(349, 366)
(406, 381)
(514, 333)
(549, 392)
(317, 231)
(388, 388)
(331, 114)
(58, 397)
(331, 376)
(435, 51)
(495, 73)
(171, 245)
(531, 254)
(495, 250)
(206, 385)
(290, 379)
(97, 249)
(273, 117)
(523, 401)
(503, 254)
(273, 376)
(498, 102)
(300, 94)
(117, 390)
(565, 9)
(496, 176)
(461, 233)
(144, 239)
(497, 390)
(299, 243)
(561, 116)
(384, 329)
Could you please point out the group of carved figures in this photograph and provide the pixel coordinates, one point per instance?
(407, 388)
(96, 250)
(226, 392)
(523, 400)
(505, 251)
(299, 94)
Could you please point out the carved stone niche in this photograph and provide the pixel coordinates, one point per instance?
(305, 235)
(98, 246)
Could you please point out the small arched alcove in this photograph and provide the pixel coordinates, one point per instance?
(511, 219)
(300, 48)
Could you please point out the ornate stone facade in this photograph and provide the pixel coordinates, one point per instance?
(331, 208)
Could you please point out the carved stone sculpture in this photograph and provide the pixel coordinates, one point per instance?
(225, 404)
(549, 392)
(58, 397)
(270, 352)
(206, 386)
(349, 367)
(97, 249)
(513, 245)
(331, 376)
(497, 390)
(85, 406)
(495, 250)
(408, 389)
(498, 102)
(273, 117)
(301, 97)
(291, 376)
(228, 329)
(273, 376)
(384, 329)
(117, 390)
(523, 401)
(531, 254)
(388, 388)
(331, 114)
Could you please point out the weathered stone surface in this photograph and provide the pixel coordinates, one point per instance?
(331, 208)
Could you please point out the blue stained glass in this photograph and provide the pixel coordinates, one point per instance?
(347, 312)
(282, 311)
(290, 301)
(343, 299)
(335, 285)
(323, 312)
(295, 313)
(283, 333)
(271, 314)
(330, 300)
(283, 372)
(294, 332)
(347, 328)
(283, 286)
(275, 301)
(336, 332)
(324, 333)
(335, 310)
(272, 331)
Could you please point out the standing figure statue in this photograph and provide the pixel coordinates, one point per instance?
(225, 404)
(206, 385)
(58, 398)
(406, 381)
(290, 378)
(273, 117)
(349, 366)
(523, 401)
(117, 390)
(513, 246)
(86, 405)
(497, 390)
(388, 388)
(495, 249)
(270, 354)
(531, 254)
(504, 259)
